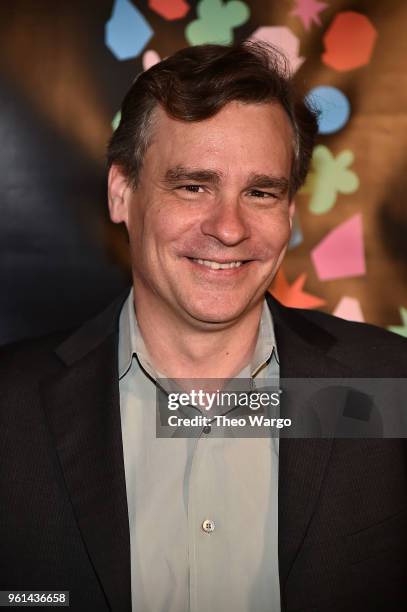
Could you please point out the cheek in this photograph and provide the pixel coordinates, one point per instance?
(161, 237)
(146, 226)
(172, 231)
(272, 235)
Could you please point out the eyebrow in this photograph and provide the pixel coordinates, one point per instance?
(260, 181)
(266, 181)
(180, 173)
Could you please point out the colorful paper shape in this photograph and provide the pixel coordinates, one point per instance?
(329, 176)
(216, 20)
(150, 59)
(284, 39)
(400, 329)
(116, 120)
(293, 295)
(349, 41)
(308, 11)
(169, 9)
(127, 32)
(296, 234)
(341, 253)
(333, 107)
(349, 308)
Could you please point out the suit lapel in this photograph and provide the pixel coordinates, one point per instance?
(82, 407)
(302, 348)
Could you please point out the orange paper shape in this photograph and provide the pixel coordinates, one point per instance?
(170, 9)
(293, 295)
(349, 41)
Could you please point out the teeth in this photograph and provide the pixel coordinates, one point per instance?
(214, 265)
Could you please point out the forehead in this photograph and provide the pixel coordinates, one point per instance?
(251, 137)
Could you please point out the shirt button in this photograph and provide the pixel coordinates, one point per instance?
(207, 429)
(208, 526)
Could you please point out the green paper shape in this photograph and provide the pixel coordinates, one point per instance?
(216, 21)
(328, 177)
(401, 330)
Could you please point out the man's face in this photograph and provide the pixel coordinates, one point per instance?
(210, 219)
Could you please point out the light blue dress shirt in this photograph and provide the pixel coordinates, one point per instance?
(203, 512)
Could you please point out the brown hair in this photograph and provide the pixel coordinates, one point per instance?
(195, 83)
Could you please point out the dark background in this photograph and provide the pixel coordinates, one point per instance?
(61, 260)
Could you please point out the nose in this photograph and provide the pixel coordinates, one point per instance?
(227, 223)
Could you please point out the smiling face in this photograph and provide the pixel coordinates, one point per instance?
(210, 219)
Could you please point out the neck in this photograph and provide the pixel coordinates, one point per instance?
(180, 349)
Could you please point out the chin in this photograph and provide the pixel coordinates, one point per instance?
(204, 314)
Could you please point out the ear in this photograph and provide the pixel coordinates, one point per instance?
(118, 194)
(291, 212)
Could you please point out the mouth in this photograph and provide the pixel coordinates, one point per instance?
(217, 265)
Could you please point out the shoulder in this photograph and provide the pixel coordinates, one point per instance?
(352, 332)
(361, 345)
(24, 366)
(313, 323)
(36, 356)
(28, 359)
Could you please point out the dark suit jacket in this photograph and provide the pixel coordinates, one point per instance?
(63, 510)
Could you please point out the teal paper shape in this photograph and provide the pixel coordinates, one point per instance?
(329, 176)
(216, 20)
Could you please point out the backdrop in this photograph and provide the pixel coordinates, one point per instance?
(65, 67)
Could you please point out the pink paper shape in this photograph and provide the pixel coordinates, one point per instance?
(349, 308)
(308, 11)
(150, 58)
(341, 253)
(284, 39)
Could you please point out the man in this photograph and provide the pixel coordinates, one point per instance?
(212, 146)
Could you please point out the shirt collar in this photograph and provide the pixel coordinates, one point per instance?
(266, 342)
(131, 343)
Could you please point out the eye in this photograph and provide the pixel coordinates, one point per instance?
(192, 188)
(256, 193)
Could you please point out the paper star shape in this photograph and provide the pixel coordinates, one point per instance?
(308, 11)
(400, 329)
(294, 295)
